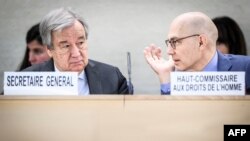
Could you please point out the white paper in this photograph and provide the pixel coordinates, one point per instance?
(208, 83)
(40, 83)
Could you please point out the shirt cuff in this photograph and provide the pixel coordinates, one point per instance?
(165, 89)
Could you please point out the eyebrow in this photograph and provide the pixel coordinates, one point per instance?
(82, 37)
(63, 42)
(173, 38)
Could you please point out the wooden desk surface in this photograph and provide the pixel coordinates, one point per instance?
(120, 118)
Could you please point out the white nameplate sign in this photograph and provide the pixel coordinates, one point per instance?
(40, 83)
(208, 83)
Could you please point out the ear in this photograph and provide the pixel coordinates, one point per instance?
(203, 40)
(49, 51)
(201, 43)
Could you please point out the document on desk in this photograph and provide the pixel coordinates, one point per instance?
(40, 83)
(208, 83)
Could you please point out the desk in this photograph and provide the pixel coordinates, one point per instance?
(120, 118)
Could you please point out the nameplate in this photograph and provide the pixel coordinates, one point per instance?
(40, 83)
(208, 83)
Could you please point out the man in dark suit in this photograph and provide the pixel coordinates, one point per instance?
(192, 47)
(65, 33)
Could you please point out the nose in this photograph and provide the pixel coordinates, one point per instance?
(32, 58)
(170, 51)
(75, 51)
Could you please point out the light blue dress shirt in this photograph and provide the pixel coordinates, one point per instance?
(83, 87)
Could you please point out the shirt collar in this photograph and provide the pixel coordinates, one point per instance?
(212, 65)
(80, 76)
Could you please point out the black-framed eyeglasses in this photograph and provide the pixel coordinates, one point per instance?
(172, 42)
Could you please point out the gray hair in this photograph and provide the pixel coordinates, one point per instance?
(59, 19)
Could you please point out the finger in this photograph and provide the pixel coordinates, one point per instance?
(170, 58)
(171, 62)
(153, 46)
(158, 52)
(148, 55)
(147, 52)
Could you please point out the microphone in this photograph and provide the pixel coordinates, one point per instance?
(130, 86)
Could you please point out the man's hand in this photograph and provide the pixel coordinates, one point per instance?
(162, 67)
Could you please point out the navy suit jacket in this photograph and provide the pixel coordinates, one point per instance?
(102, 78)
(229, 62)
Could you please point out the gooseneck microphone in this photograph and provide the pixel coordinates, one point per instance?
(130, 86)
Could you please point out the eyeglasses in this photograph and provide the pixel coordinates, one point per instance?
(172, 42)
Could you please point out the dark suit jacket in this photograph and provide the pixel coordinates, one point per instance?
(231, 62)
(102, 78)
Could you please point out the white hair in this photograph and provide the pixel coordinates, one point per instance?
(59, 19)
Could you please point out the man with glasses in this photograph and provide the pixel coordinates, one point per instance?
(191, 46)
(65, 33)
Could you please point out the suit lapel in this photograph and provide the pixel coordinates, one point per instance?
(49, 66)
(94, 82)
(224, 64)
(92, 75)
